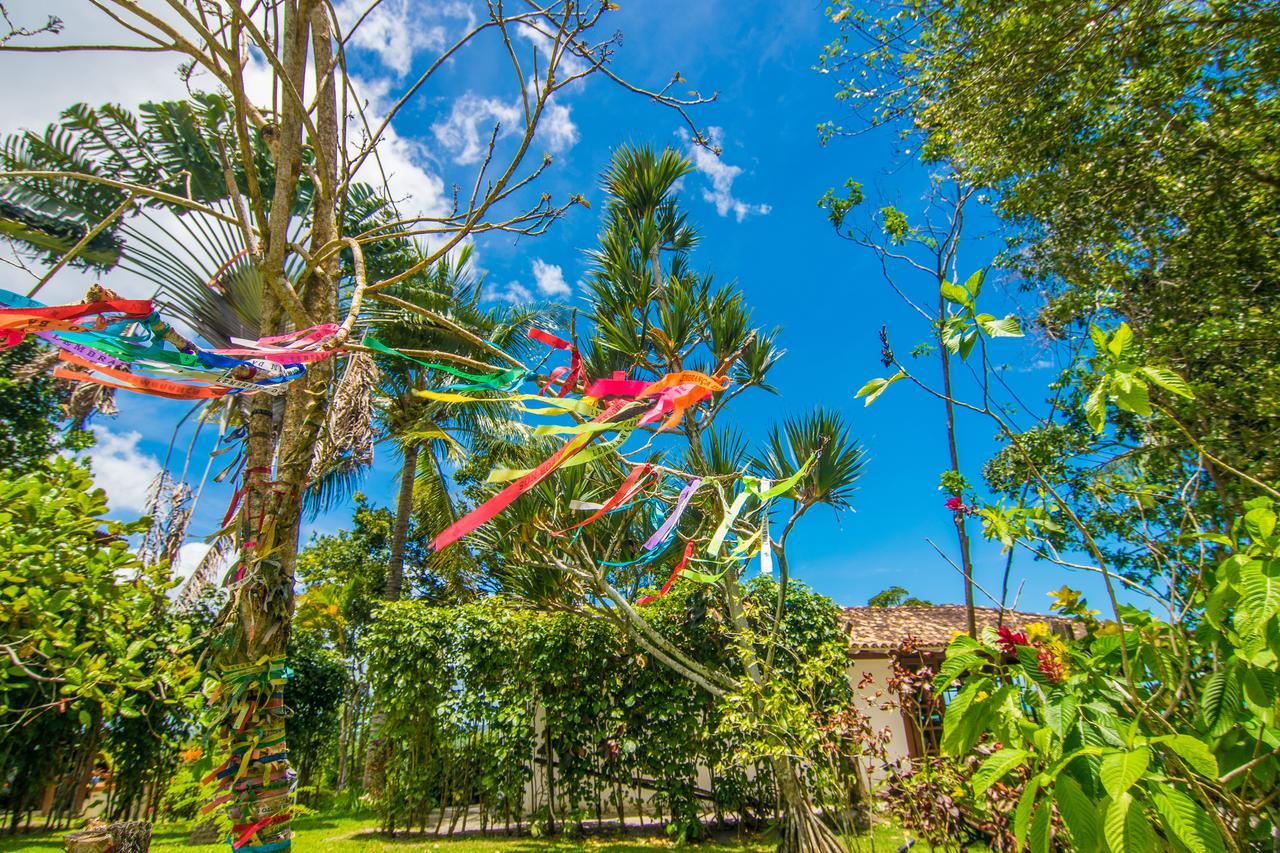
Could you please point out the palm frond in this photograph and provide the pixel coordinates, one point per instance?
(840, 458)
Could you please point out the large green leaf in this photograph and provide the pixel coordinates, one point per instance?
(1186, 820)
(1220, 701)
(1168, 380)
(966, 714)
(1121, 341)
(1260, 585)
(1022, 814)
(1260, 522)
(1005, 327)
(1121, 769)
(1079, 813)
(1126, 828)
(957, 294)
(1195, 753)
(1060, 712)
(1041, 836)
(996, 767)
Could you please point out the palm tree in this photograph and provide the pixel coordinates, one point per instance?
(652, 315)
(443, 314)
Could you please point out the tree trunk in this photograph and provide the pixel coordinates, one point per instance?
(404, 511)
(962, 535)
(280, 450)
(803, 831)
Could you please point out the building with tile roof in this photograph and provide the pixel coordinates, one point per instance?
(889, 646)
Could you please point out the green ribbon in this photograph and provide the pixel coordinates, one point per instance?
(478, 382)
(754, 486)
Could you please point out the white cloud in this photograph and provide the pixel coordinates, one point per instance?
(396, 30)
(556, 128)
(122, 469)
(515, 293)
(722, 176)
(41, 85)
(460, 133)
(549, 279)
(466, 131)
(189, 556)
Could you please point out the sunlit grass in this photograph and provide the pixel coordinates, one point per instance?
(345, 834)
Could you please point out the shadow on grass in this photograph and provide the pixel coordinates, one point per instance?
(632, 840)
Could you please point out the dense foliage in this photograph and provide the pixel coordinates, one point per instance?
(1183, 753)
(95, 660)
(553, 719)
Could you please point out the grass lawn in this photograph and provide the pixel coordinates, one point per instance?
(341, 834)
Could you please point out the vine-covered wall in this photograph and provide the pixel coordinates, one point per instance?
(545, 721)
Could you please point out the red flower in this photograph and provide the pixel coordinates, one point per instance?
(955, 504)
(1011, 639)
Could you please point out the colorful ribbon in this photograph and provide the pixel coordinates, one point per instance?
(675, 573)
(686, 494)
(573, 374)
(500, 380)
(629, 487)
(496, 504)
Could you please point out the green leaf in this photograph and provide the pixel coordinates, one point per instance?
(1095, 408)
(1195, 754)
(1079, 813)
(965, 717)
(1126, 828)
(1186, 820)
(952, 666)
(876, 387)
(1121, 341)
(973, 283)
(1060, 713)
(1131, 394)
(1220, 702)
(1042, 828)
(1008, 327)
(1259, 689)
(996, 767)
(955, 293)
(1121, 769)
(1260, 522)
(1098, 337)
(1260, 589)
(1169, 381)
(967, 340)
(1022, 814)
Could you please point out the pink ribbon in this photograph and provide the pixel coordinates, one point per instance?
(296, 347)
(617, 386)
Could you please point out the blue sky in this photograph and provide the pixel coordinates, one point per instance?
(757, 210)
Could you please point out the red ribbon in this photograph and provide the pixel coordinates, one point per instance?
(485, 513)
(57, 316)
(629, 487)
(573, 375)
(666, 587)
(248, 832)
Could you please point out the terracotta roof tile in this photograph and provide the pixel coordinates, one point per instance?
(884, 628)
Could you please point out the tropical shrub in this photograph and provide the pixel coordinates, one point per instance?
(484, 698)
(95, 659)
(1183, 754)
